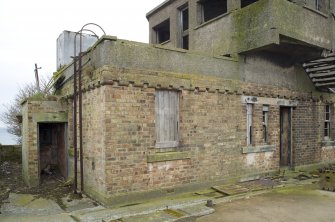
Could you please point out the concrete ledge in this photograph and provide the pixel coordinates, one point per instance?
(258, 149)
(328, 143)
(169, 156)
(50, 117)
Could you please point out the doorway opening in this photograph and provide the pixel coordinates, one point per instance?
(285, 137)
(52, 151)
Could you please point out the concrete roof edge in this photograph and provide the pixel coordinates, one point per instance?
(154, 10)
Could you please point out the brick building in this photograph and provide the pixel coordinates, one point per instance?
(225, 90)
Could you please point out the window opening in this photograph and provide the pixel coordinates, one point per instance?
(327, 122)
(265, 123)
(184, 25)
(210, 9)
(167, 118)
(245, 3)
(321, 5)
(162, 32)
(249, 124)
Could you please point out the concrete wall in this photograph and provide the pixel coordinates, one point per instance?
(65, 47)
(261, 24)
(262, 68)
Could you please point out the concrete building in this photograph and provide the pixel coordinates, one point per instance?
(225, 90)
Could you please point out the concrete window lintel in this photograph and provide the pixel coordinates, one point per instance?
(50, 117)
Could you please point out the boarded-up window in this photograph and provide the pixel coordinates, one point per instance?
(167, 118)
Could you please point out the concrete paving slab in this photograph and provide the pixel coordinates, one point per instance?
(27, 204)
(36, 218)
(295, 203)
(129, 211)
(72, 204)
(159, 216)
(197, 210)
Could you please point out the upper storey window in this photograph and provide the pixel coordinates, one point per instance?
(210, 9)
(321, 5)
(245, 3)
(162, 32)
(184, 24)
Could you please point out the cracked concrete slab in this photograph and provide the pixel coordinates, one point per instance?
(27, 204)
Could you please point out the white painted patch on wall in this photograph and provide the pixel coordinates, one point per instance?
(251, 159)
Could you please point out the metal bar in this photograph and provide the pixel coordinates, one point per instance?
(321, 74)
(325, 84)
(323, 80)
(320, 68)
(80, 104)
(319, 61)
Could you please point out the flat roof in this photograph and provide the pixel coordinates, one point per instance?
(157, 8)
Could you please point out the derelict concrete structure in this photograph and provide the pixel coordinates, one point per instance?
(221, 92)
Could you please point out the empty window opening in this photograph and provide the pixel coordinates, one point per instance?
(321, 5)
(265, 119)
(249, 124)
(245, 3)
(162, 32)
(52, 151)
(167, 118)
(210, 9)
(184, 26)
(327, 122)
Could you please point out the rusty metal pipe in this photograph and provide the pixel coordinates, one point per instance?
(75, 117)
(81, 118)
(80, 104)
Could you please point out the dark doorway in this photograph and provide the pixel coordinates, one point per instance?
(52, 150)
(285, 136)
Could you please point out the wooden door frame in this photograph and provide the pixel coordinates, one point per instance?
(290, 148)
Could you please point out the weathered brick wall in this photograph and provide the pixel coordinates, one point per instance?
(95, 119)
(328, 154)
(130, 134)
(307, 132)
(33, 112)
(119, 130)
(212, 131)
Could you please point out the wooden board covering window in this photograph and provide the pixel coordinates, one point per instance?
(167, 118)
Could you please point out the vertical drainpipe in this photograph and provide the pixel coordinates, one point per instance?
(80, 118)
(75, 116)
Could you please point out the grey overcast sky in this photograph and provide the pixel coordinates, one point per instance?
(29, 29)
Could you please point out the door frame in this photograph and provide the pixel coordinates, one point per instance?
(64, 127)
(290, 136)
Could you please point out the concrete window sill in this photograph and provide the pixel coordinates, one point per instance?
(168, 156)
(328, 143)
(258, 149)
